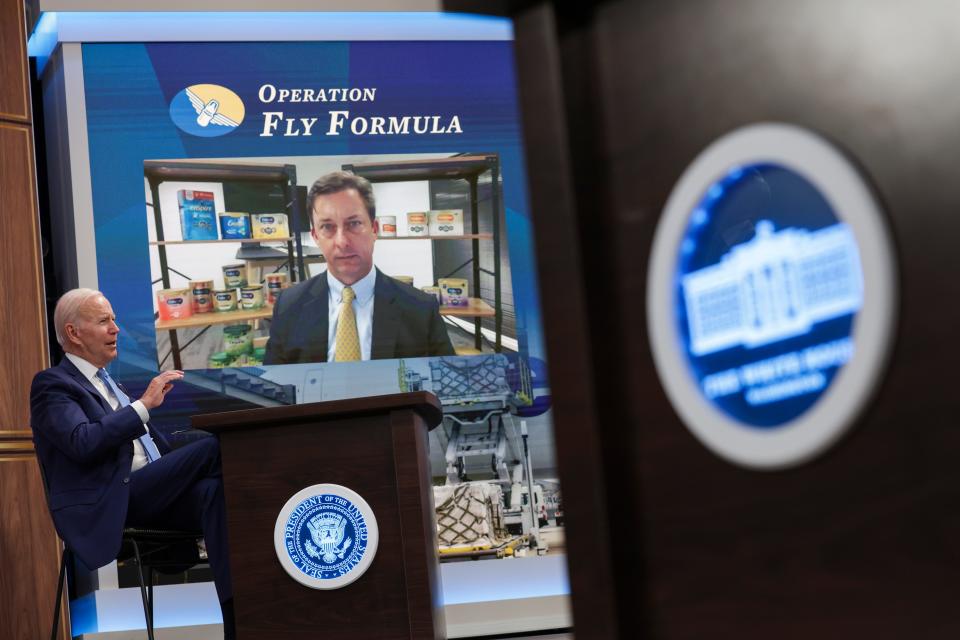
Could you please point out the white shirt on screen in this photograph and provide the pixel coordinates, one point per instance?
(89, 371)
(362, 308)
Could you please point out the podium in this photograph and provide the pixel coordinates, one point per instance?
(376, 447)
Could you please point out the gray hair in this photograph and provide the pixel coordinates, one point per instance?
(338, 181)
(68, 310)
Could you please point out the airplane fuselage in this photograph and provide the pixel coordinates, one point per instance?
(206, 114)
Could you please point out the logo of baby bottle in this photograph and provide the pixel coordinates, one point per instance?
(207, 110)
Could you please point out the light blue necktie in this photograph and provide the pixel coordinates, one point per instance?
(149, 447)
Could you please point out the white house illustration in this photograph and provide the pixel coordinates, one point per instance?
(774, 286)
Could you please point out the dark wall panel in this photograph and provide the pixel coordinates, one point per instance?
(859, 542)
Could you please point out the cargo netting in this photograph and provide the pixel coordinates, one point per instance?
(469, 514)
(470, 378)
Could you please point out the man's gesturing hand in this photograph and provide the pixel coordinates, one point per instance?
(157, 389)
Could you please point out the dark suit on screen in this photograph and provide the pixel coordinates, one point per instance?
(86, 449)
(406, 323)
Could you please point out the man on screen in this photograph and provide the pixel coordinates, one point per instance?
(105, 467)
(352, 311)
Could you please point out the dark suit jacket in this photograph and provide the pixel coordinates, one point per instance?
(85, 449)
(406, 323)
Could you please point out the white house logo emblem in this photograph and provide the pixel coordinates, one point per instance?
(207, 110)
(771, 297)
(325, 536)
(773, 287)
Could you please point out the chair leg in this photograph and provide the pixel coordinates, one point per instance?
(150, 591)
(143, 591)
(56, 604)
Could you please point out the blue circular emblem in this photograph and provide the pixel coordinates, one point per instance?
(768, 285)
(325, 536)
(207, 110)
(771, 297)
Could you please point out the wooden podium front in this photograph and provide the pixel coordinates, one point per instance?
(376, 447)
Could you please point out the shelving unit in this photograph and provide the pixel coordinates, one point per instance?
(469, 169)
(466, 236)
(215, 317)
(157, 172)
(170, 242)
(476, 308)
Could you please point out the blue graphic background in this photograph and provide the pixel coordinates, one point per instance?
(726, 217)
(129, 88)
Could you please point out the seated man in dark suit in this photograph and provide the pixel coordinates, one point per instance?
(105, 467)
(352, 311)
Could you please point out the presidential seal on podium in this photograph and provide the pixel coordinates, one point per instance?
(326, 536)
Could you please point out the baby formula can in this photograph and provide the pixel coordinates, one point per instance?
(270, 226)
(225, 299)
(234, 275)
(276, 282)
(202, 291)
(251, 297)
(388, 226)
(446, 222)
(174, 304)
(418, 223)
(237, 339)
(453, 292)
(234, 226)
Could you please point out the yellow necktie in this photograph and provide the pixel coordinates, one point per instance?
(348, 342)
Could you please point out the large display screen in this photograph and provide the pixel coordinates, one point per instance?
(226, 247)
(216, 250)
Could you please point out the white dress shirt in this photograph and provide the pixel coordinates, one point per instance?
(89, 371)
(362, 308)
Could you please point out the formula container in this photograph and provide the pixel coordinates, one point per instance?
(234, 226)
(219, 360)
(225, 299)
(270, 226)
(251, 297)
(198, 219)
(446, 222)
(234, 276)
(404, 279)
(242, 360)
(202, 291)
(276, 282)
(418, 223)
(453, 292)
(174, 304)
(388, 226)
(238, 339)
(434, 291)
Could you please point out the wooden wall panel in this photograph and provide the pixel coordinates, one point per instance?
(23, 339)
(29, 548)
(14, 100)
(859, 542)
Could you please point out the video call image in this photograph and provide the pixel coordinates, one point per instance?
(332, 259)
